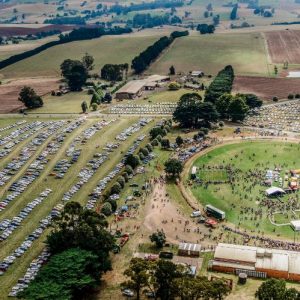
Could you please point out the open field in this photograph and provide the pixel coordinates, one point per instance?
(284, 46)
(267, 88)
(107, 49)
(210, 53)
(9, 92)
(244, 202)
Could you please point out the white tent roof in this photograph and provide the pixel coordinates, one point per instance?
(274, 190)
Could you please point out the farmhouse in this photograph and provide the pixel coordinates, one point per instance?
(256, 261)
(134, 88)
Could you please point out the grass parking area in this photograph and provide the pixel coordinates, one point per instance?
(59, 187)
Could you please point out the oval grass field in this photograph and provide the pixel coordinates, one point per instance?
(244, 200)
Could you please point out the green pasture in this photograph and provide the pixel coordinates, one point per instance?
(243, 200)
(107, 49)
(210, 53)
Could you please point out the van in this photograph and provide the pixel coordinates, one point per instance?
(195, 214)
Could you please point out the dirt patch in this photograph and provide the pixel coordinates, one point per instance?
(267, 88)
(284, 46)
(162, 213)
(9, 92)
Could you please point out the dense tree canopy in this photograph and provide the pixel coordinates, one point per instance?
(75, 73)
(66, 275)
(192, 112)
(173, 167)
(237, 109)
(83, 228)
(29, 98)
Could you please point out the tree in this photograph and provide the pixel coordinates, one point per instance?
(116, 188)
(252, 100)
(237, 109)
(206, 14)
(72, 272)
(112, 72)
(106, 209)
(216, 20)
(155, 132)
(29, 98)
(84, 107)
(165, 143)
(222, 104)
(173, 167)
(165, 274)
(75, 73)
(179, 140)
(188, 110)
(271, 289)
(159, 238)
(132, 160)
(172, 70)
(88, 61)
(275, 70)
(139, 274)
(218, 289)
(77, 227)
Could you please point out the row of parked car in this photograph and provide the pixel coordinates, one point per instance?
(36, 167)
(13, 125)
(28, 241)
(123, 136)
(30, 274)
(7, 226)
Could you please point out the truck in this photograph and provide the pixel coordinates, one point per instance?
(212, 211)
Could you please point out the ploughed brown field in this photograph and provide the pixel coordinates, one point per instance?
(9, 92)
(267, 88)
(15, 31)
(284, 46)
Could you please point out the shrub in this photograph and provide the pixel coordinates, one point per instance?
(204, 129)
(297, 96)
(128, 170)
(149, 147)
(116, 189)
(121, 181)
(275, 99)
(154, 143)
(106, 209)
(144, 151)
(142, 156)
(290, 96)
(125, 176)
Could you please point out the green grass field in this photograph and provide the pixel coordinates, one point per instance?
(107, 49)
(210, 53)
(243, 201)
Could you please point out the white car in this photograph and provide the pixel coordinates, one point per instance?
(195, 214)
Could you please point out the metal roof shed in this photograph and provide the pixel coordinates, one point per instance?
(189, 249)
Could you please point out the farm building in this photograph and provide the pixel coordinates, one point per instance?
(256, 261)
(131, 90)
(188, 249)
(134, 88)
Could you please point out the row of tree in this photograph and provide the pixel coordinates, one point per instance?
(149, 21)
(75, 35)
(79, 245)
(120, 9)
(206, 28)
(144, 59)
(165, 280)
(221, 84)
